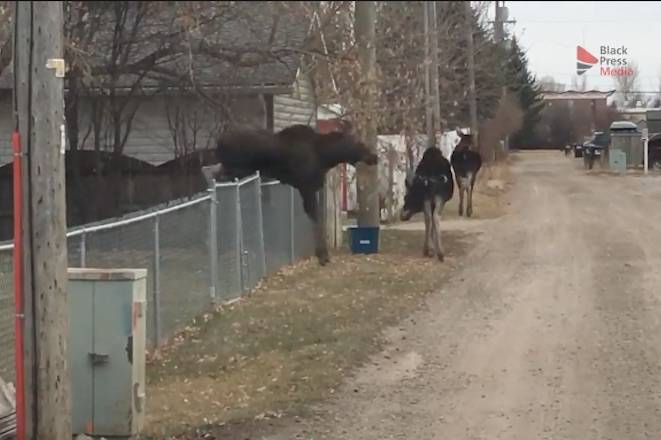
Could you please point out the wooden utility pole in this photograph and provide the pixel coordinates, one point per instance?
(21, 60)
(472, 96)
(428, 90)
(436, 95)
(39, 80)
(499, 33)
(367, 176)
(498, 28)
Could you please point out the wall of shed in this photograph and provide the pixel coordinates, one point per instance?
(297, 107)
(151, 138)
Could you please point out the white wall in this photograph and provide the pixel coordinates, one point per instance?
(397, 143)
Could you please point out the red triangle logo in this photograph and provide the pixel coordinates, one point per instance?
(583, 56)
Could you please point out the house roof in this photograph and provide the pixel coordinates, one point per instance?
(576, 95)
(247, 26)
(638, 110)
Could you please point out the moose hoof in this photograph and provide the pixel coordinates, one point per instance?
(324, 259)
(426, 252)
(441, 257)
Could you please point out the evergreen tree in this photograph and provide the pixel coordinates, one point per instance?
(524, 85)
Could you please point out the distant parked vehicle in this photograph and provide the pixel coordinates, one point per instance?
(578, 150)
(595, 148)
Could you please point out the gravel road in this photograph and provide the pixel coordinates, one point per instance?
(551, 329)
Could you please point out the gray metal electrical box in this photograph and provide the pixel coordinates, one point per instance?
(617, 161)
(107, 350)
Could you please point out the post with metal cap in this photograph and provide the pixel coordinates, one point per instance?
(645, 138)
(39, 71)
(157, 282)
(83, 249)
(239, 237)
(213, 241)
(260, 227)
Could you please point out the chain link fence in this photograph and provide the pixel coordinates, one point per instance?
(228, 239)
(6, 313)
(277, 223)
(198, 252)
(252, 234)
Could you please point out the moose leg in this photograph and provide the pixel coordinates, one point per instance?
(469, 190)
(311, 208)
(426, 250)
(436, 227)
(461, 198)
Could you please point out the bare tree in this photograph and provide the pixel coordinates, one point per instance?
(656, 100)
(627, 87)
(579, 83)
(549, 84)
(121, 54)
(118, 49)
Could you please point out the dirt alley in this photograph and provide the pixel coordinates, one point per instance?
(551, 330)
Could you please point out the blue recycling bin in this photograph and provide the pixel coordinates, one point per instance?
(364, 239)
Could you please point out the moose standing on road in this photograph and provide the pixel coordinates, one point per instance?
(428, 191)
(466, 164)
(297, 156)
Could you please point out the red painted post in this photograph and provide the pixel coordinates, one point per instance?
(18, 288)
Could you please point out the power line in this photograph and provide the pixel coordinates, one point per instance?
(551, 21)
(592, 75)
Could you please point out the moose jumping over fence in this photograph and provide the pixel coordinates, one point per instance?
(430, 188)
(297, 156)
(466, 164)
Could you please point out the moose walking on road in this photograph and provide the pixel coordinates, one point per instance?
(297, 156)
(430, 188)
(466, 164)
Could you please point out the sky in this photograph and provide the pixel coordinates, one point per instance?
(550, 31)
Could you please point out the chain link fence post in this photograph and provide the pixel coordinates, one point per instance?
(157, 282)
(239, 238)
(260, 227)
(213, 242)
(83, 249)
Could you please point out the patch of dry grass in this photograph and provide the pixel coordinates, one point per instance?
(295, 339)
